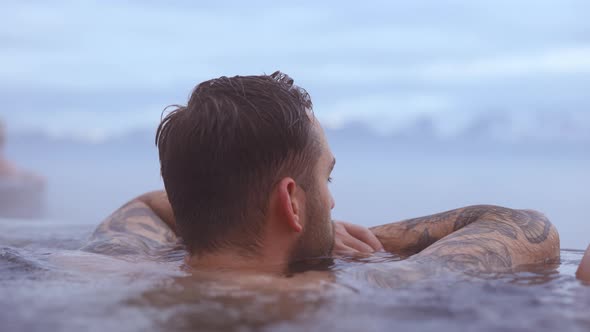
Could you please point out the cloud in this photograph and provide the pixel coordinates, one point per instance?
(105, 67)
(92, 45)
(550, 62)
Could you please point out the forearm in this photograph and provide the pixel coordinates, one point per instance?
(527, 235)
(411, 236)
(501, 239)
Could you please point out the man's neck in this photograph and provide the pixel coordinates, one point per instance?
(232, 261)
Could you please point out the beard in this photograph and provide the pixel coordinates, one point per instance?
(317, 239)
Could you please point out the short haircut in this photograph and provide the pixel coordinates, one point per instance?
(222, 154)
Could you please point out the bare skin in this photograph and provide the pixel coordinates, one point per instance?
(7, 168)
(462, 242)
(350, 238)
(21, 190)
(148, 221)
(477, 238)
(10, 170)
(583, 272)
(133, 229)
(472, 239)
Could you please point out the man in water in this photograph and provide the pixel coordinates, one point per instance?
(10, 170)
(246, 168)
(7, 169)
(583, 272)
(21, 192)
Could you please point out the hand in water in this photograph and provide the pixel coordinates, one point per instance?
(350, 238)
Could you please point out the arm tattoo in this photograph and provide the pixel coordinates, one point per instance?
(467, 216)
(479, 238)
(501, 228)
(474, 249)
(485, 255)
(411, 236)
(433, 219)
(500, 240)
(424, 240)
(134, 229)
(535, 226)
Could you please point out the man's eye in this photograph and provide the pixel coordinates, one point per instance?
(330, 179)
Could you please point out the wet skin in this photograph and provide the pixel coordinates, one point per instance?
(473, 239)
(583, 272)
(468, 240)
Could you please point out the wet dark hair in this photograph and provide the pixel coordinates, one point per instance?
(222, 154)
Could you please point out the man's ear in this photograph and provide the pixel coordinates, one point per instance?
(290, 203)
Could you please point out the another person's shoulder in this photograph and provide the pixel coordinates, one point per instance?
(583, 272)
(7, 168)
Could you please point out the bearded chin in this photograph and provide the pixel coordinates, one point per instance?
(317, 239)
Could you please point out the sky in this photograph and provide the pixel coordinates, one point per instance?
(498, 89)
(94, 69)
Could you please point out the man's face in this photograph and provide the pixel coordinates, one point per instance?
(317, 239)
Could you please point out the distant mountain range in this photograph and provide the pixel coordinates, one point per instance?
(491, 134)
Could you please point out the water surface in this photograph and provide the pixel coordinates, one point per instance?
(47, 284)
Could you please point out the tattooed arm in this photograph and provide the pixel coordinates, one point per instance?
(411, 236)
(349, 237)
(134, 229)
(482, 238)
(159, 203)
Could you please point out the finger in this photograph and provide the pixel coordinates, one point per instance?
(357, 244)
(365, 235)
(345, 238)
(342, 249)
